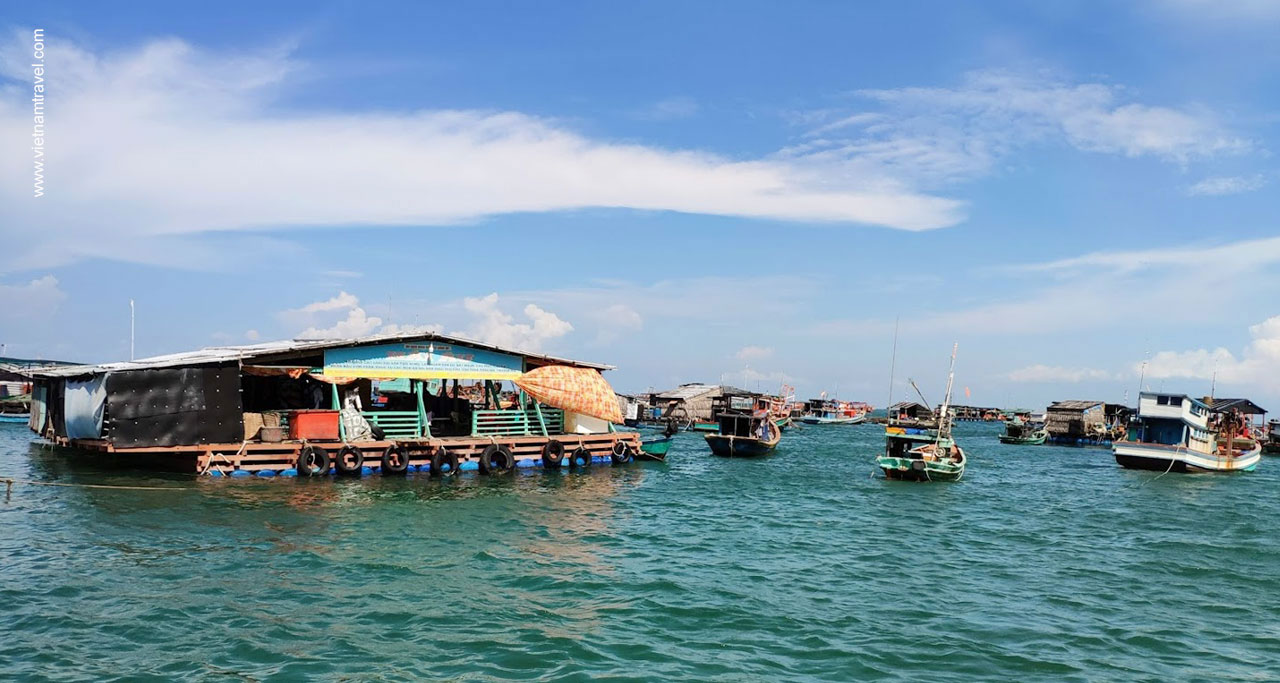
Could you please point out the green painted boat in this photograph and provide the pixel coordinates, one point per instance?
(1019, 433)
(915, 451)
(654, 449)
(920, 456)
(699, 426)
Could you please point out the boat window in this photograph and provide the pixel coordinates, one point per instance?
(1162, 400)
(1175, 400)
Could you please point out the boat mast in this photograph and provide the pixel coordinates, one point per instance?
(943, 419)
(893, 365)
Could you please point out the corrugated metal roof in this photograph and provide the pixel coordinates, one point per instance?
(1244, 405)
(1073, 405)
(249, 352)
(685, 392)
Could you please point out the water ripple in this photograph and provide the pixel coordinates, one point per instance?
(1043, 564)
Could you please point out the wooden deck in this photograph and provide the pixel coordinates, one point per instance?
(253, 457)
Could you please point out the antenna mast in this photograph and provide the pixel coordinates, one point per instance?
(893, 366)
(943, 419)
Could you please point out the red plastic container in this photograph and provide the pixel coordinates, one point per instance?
(313, 425)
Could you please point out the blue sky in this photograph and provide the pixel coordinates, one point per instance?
(1083, 195)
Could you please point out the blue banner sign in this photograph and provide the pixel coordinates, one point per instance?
(425, 360)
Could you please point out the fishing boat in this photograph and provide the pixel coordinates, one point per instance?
(1271, 445)
(746, 431)
(1177, 433)
(1023, 433)
(833, 412)
(922, 451)
(654, 448)
(16, 409)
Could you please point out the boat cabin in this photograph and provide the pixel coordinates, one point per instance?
(1173, 420)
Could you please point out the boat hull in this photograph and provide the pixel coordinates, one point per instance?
(654, 450)
(812, 420)
(915, 469)
(740, 446)
(1022, 440)
(1161, 458)
(14, 418)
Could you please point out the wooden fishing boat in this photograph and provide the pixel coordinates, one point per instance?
(1177, 433)
(917, 451)
(15, 418)
(704, 426)
(745, 434)
(1019, 433)
(832, 412)
(654, 448)
(1271, 444)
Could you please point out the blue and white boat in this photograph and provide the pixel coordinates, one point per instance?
(1177, 433)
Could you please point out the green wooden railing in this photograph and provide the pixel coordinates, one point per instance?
(397, 423)
(517, 422)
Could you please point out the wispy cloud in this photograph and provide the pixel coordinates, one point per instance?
(1242, 256)
(128, 122)
(943, 134)
(752, 353)
(1216, 187)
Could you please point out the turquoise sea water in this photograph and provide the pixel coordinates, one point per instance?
(1044, 563)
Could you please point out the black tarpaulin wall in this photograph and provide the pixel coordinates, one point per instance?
(57, 410)
(175, 406)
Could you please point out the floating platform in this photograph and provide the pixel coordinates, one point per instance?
(280, 459)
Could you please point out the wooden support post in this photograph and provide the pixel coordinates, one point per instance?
(337, 405)
(524, 413)
(542, 421)
(424, 423)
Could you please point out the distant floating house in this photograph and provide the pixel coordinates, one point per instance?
(692, 401)
(1085, 422)
(910, 410)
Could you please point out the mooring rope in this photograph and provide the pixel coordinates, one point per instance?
(9, 482)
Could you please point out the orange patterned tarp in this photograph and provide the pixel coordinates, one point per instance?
(578, 390)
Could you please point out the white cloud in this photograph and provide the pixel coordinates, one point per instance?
(1243, 255)
(122, 179)
(38, 298)
(1216, 187)
(252, 335)
(496, 327)
(1054, 373)
(337, 317)
(1258, 366)
(944, 134)
(751, 353)
(357, 323)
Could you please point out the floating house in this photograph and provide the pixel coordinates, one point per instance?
(693, 402)
(388, 402)
(1074, 421)
(977, 414)
(910, 410)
